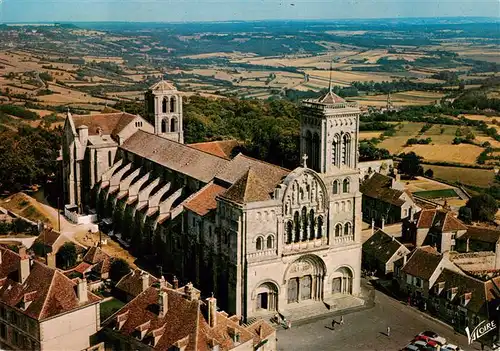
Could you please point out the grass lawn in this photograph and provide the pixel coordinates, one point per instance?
(472, 176)
(435, 194)
(109, 307)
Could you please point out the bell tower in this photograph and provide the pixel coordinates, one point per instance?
(164, 105)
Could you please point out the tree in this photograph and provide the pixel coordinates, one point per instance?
(465, 214)
(429, 173)
(483, 207)
(119, 267)
(410, 165)
(67, 255)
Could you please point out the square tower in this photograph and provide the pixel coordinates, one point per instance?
(329, 133)
(164, 104)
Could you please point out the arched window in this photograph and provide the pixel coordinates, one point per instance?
(164, 104)
(289, 232)
(347, 228)
(335, 147)
(345, 185)
(346, 149)
(163, 126)
(110, 158)
(319, 226)
(172, 103)
(270, 242)
(338, 230)
(335, 189)
(311, 225)
(259, 243)
(173, 125)
(296, 224)
(315, 152)
(304, 224)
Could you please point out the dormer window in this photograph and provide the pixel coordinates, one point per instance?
(451, 293)
(121, 319)
(465, 298)
(438, 288)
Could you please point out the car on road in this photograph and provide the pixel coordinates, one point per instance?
(434, 336)
(451, 347)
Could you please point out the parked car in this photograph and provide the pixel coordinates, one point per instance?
(411, 347)
(420, 344)
(434, 336)
(451, 347)
(422, 338)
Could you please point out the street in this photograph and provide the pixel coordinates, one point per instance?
(365, 330)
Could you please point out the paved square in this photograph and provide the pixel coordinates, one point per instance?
(365, 330)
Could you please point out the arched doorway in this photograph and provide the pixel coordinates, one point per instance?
(304, 279)
(342, 281)
(267, 297)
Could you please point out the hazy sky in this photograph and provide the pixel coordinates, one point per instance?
(224, 10)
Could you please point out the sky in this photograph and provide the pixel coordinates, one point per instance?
(227, 10)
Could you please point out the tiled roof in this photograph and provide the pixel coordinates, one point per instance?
(162, 85)
(184, 322)
(47, 237)
(95, 255)
(464, 284)
(382, 246)
(439, 218)
(103, 267)
(489, 235)
(330, 98)
(422, 263)
(269, 175)
(425, 218)
(107, 123)
(379, 186)
(50, 291)
(178, 157)
(247, 189)
(205, 200)
(132, 282)
(221, 148)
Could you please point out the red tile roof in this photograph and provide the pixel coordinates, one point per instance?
(205, 200)
(221, 148)
(107, 123)
(184, 323)
(132, 282)
(489, 235)
(95, 255)
(247, 189)
(331, 98)
(50, 291)
(439, 218)
(422, 263)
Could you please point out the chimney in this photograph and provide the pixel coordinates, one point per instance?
(144, 280)
(373, 225)
(383, 223)
(51, 260)
(189, 291)
(175, 283)
(83, 134)
(81, 290)
(393, 237)
(163, 303)
(212, 311)
(24, 265)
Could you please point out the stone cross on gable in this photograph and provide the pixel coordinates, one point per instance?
(304, 160)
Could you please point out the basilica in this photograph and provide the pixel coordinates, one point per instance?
(261, 237)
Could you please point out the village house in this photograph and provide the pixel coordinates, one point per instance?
(381, 251)
(165, 318)
(481, 239)
(463, 301)
(261, 237)
(42, 309)
(134, 283)
(433, 227)
(385, 201)
(422, 268)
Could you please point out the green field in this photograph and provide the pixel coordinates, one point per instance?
(472, 176)
(436, 194)
(109, 307)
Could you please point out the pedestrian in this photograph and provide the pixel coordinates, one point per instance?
(289, 324)
(341, 320)
(388, 331)
(333, 324)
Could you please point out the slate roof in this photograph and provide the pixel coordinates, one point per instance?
(109, 123)
(184, 321)
(489, 235)
(465, 284)
(382, 246)
(379, 186)
(50, 291)
(422, 263)
(132, 282)
(175, 156)
(205, 200)
(440, 219)
(221, 148)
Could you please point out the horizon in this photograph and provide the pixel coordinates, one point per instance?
(175, 11)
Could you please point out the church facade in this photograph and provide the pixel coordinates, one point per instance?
(261, 237)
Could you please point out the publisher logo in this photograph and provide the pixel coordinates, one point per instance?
(480, 330)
